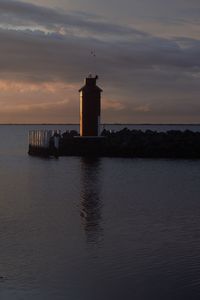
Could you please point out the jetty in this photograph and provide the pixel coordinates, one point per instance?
(124, 143)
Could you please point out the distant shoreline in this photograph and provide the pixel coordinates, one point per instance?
(103, 124)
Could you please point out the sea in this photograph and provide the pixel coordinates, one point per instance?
(80, 228)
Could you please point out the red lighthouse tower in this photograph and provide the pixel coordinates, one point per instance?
(90, 107)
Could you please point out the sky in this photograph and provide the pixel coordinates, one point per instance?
(147, 58)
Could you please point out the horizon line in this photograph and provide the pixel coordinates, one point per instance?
(103, 124)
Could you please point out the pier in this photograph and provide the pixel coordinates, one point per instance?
(124, 143)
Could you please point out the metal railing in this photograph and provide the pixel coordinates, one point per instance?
(41, 138)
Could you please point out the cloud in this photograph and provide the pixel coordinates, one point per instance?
(112, 105)
(43, 102)
(37, 56)
(54, 48)
(44, 50)
(143, 108)
(19, 13)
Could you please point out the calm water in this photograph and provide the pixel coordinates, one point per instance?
(83, 229)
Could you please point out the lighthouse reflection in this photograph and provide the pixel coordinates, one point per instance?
(91, 204)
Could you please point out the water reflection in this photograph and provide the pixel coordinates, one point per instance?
(91, 203)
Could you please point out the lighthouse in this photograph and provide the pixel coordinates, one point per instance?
(90, 107)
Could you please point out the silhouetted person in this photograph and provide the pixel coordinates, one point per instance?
(55, 144)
